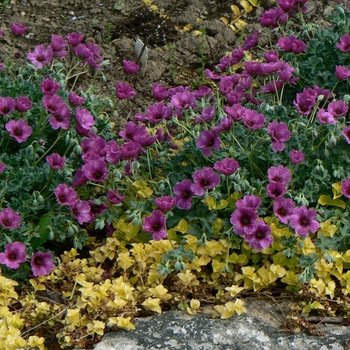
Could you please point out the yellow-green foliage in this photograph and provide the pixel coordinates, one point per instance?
(95, 303)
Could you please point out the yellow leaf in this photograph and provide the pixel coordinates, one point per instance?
(188, 278)
(230, 308)
(210, 202)
(336, 189)
(124, 322)
(327, 200)
(327, 229)
(236, 12)
(182, 226)
(160, 292)
(143, 189)
(37, 286)
(234, 290)
(217, 265)
(239, 23)
(309, 247)
(187, 28)
(330, 289)
(152, 304)
(124, 260)
(225, 20)
(195, 304)
(246, 5)
(255, 3)
(324, 200)
(36, 342)
(222, 204)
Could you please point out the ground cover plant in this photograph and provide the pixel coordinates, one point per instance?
(214, 191)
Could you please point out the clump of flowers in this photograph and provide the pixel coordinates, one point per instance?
(247, 176)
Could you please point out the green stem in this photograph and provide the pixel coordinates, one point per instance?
(58, 137)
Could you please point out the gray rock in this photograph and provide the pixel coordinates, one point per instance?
(258, 329)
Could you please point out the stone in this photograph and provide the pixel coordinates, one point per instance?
(257, 329)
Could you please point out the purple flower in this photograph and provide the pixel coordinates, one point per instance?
(261, 237)
(303, 221)
(271, 56)
(183, 194)
(272, 18)
(207, 140)
(137, 133)
(305, 101)
(23, 104)
(251, 41)
(342, 72)
(283, 208)
(57, 43)
(338, 108)
(249, 202)
(236, 111)
(325, 117)
(279, 134)
(224, 125)
(131, 149)
(84, 119)
(165, 203)
(287, 5)
(160, 92)
(183, 100)
(230, 60)
(345, 188)
(52, 103)
(75, 38)
(206, 116)
(275, 190)
(95, 170)
(18, 28)
(7, 105)
(244, 221)
(81, 210)
(42, 264)
(80, 178)
(65, 195)
(204, 179)
(40, 56)
(291, 44)
(155, 224)
(10, 218)
(124, 90)
(253, 120)
(115, 197)
(60, 119)
(158, 112)
(279, 174)
(19, 130)
(2, 167)
(14, 255)
(346, 133)
(130, 67)
(56, 161)
(296, 156)
(49, 87)
(75, 99)
(226, 166)
(344, 44)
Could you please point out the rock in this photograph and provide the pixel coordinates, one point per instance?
(256, 329)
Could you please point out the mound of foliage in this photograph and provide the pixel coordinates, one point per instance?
(226, 189)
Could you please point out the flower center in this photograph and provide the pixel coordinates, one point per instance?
(304, 221)
(245, 220)
(13, 256)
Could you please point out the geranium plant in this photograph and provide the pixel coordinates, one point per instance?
(243, 181)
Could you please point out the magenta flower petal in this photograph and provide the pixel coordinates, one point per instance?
(10, 218)
(303, 221)
(14, 255)
(42, 264)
